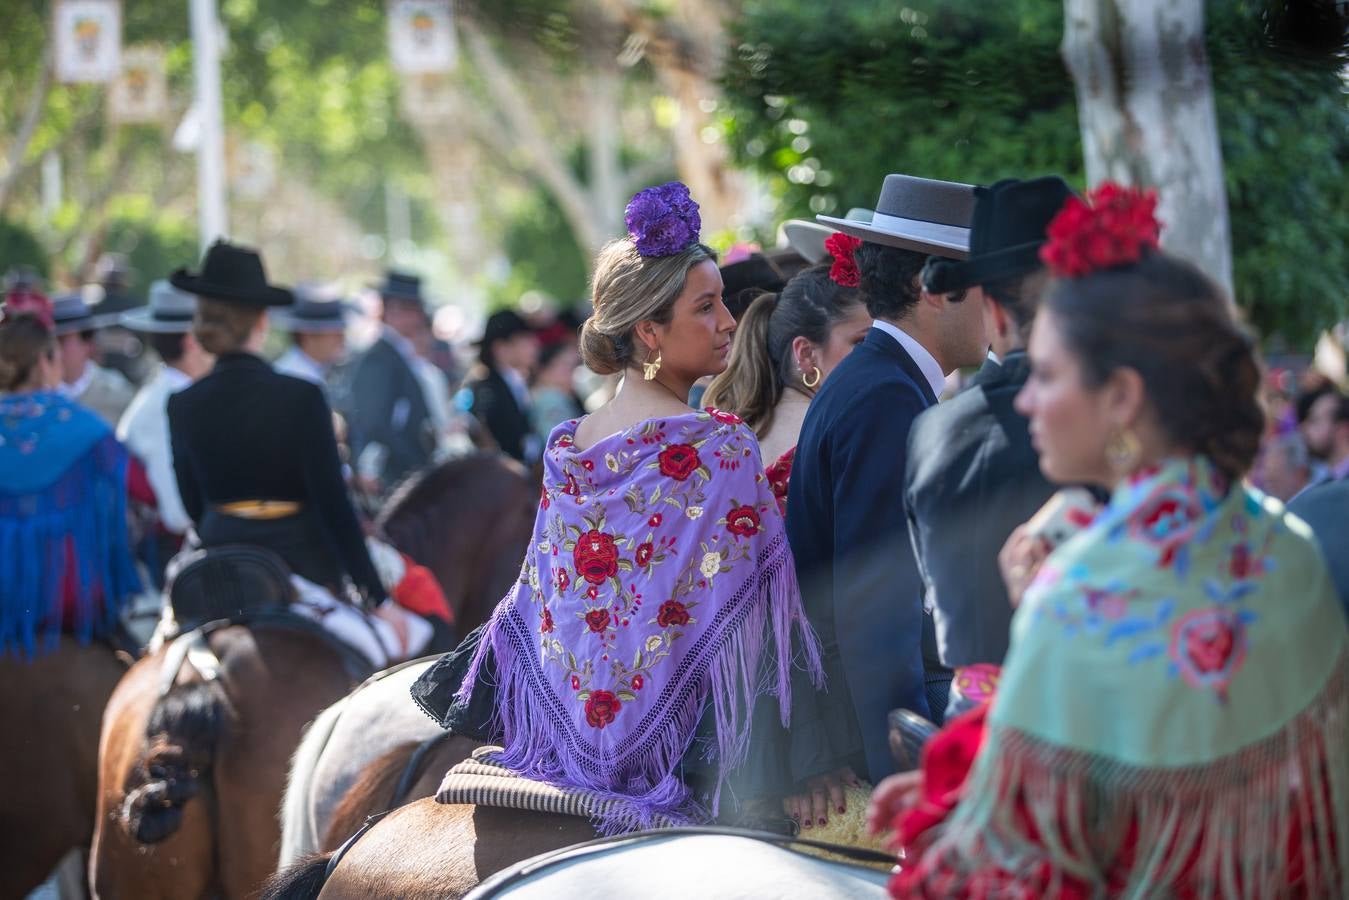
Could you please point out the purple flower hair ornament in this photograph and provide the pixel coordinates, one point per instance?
(664, 220)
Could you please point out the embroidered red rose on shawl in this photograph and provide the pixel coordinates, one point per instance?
(543, 500)
(547, 625)
(563, 579)
(679, 461)
(637, 682)
(743, 521)
(601, 707)
(655, 520)
(575, 682)
(672, 612)
(596, 556)
(597, 620)
(1166, 520)
(724, 418)
(644, 554)
(1208, 646)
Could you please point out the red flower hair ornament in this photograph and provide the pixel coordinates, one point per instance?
(1114, 226)
(842, 247)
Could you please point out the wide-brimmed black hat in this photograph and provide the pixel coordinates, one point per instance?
(232, 274)
(503, 325)
(316, 311)
(1010, 221)
(71, 314)
(401, 287)
(917, 214)
(170, 311)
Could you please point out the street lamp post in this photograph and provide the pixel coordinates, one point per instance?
(212, 211)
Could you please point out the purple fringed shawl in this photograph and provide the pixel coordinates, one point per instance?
(658, 577)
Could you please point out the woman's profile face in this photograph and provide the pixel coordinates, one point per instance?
(1068, 425)
(697, 339)
(844, 335)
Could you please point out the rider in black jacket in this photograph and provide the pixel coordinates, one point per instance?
(254, 451)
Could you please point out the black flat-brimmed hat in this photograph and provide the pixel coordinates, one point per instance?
(71, 314)
(1010, 221)
(917, 214)
(170, 311)
(401, 287)
(232, 274)
(316, 311)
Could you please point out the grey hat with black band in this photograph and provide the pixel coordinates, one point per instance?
(72, 315)
(317, 310)
(919, 214)
(1011, 218)
(170, 311)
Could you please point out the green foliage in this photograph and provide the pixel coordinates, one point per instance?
(544, 254)
(20, 247)
(825, 99)
(155, 243)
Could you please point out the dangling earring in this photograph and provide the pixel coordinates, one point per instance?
(806, 379)
(1122, 451)
(651, 367)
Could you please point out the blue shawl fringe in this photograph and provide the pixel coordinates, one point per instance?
(84, 514)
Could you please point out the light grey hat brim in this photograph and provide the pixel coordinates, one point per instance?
(950, 241)
(301, 325)
(85, 323)
(142, 319)
(806, 238)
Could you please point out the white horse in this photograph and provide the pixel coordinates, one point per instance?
(345, 738)
(675, 866)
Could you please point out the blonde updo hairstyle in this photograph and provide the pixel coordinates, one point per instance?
(629, 288)
(222, 327)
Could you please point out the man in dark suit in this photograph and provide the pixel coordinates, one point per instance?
(388, 418)
(972, 474)
(500, 386)
(845, 507)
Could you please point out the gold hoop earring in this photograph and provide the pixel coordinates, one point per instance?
(819, 376)
(1123, 450)
(650, 368)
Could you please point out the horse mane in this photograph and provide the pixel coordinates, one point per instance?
(181, 736)
(411, 519)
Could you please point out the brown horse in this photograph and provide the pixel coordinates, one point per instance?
(469, 520)
(51, 708)
(190, 780)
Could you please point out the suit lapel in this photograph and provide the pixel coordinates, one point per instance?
(890, 348)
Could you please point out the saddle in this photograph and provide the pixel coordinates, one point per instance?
(229, 582)
(236, 584)
(482, 781)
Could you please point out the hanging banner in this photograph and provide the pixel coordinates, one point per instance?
(421, 36)
(427, 99)
(140, 94)
(88, 37)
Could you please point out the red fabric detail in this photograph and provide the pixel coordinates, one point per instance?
(1112, 227)
(419, 592)
(138, 484)
(779, 475)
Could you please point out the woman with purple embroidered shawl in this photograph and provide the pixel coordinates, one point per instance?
(648, 642)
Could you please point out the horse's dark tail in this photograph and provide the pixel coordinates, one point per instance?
(301, 881)
(180, 743)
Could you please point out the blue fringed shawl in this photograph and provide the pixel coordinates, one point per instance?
(63, 512)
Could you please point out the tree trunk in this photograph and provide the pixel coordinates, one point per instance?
(37, 101)
(1145, 103)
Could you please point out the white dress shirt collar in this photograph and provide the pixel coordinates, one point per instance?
(75, 389)
(927, 363)
(174, 379)
(298, 364)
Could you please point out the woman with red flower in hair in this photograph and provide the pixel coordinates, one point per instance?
(787, 345)
(645, 654)
(1173, 711)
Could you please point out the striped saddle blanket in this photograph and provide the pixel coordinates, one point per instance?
(482, 781)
